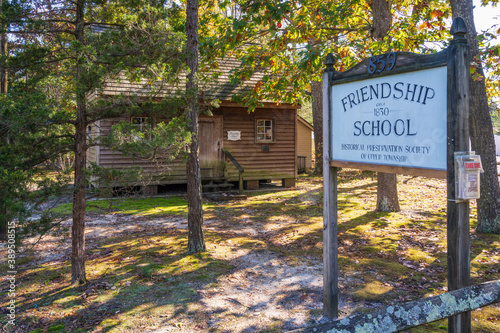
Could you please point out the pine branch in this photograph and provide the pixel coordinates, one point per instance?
(42, 140)
(94, 115)
(44, 21)
(35, 32)
(105, 24)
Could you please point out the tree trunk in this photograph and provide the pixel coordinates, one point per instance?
(4, 211)
(4, 52)
(78, 227)
(481, 130)
(387, 184)
(382, 18)
(387, 192)
(317, 111)
(196, 242)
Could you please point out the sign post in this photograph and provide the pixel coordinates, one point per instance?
(330, 231)
(399, 113)
(458, 141)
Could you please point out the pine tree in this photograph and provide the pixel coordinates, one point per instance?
(196, 242)
(80, 45)
(481, 128)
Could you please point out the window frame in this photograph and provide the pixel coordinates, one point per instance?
(146, 121)
(266, 126)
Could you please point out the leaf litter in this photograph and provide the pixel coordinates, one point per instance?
(263, 269)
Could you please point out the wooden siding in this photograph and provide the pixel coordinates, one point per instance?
(277, 163)
(304, 142)
(93, 151)
(173, 172)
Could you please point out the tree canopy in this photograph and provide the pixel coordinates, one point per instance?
(289, 39)
(60, 56)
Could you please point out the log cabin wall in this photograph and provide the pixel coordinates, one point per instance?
(163, 173)
(276, 159)
(261, 160)
(92, 151)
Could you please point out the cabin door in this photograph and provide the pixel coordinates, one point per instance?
(210, 142)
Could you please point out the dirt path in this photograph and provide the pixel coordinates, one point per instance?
(262, 290)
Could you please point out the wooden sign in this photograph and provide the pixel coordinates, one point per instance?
(399, 113)
(397, 120)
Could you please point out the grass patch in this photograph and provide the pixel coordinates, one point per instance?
(417, 255)
(144, 280)
(133, 206)
(373, 291)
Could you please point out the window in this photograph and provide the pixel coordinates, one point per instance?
(265, 130)
(143, 123)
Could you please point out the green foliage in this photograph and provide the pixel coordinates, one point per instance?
(105, 179)
(56, 328)
(488, 58)
(290, 39)
(56, 68)
(160, 143)
(32, 169)
(305, 111)
(495, 118)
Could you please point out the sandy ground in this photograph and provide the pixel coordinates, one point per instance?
(263, 291)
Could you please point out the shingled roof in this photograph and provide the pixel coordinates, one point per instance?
(217, 84)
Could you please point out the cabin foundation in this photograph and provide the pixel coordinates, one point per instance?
(252, 185)
(288, 182)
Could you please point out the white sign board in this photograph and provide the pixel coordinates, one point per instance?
(234, 135)
(397, 120)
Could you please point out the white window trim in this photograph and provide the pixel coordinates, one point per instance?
(269, 129)
(143, 122)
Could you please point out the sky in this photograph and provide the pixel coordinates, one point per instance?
(485, 17)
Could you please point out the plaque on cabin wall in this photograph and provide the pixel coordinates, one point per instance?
(234, 135)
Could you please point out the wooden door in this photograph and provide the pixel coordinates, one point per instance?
(210, 142)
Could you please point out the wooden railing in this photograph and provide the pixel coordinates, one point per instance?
(400, 317)
(238, 166)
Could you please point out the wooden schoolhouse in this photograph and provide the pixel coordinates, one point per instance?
(263, 143)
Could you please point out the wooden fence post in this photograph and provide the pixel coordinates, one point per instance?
(403, 316)
(458, 228)
(330, 250)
